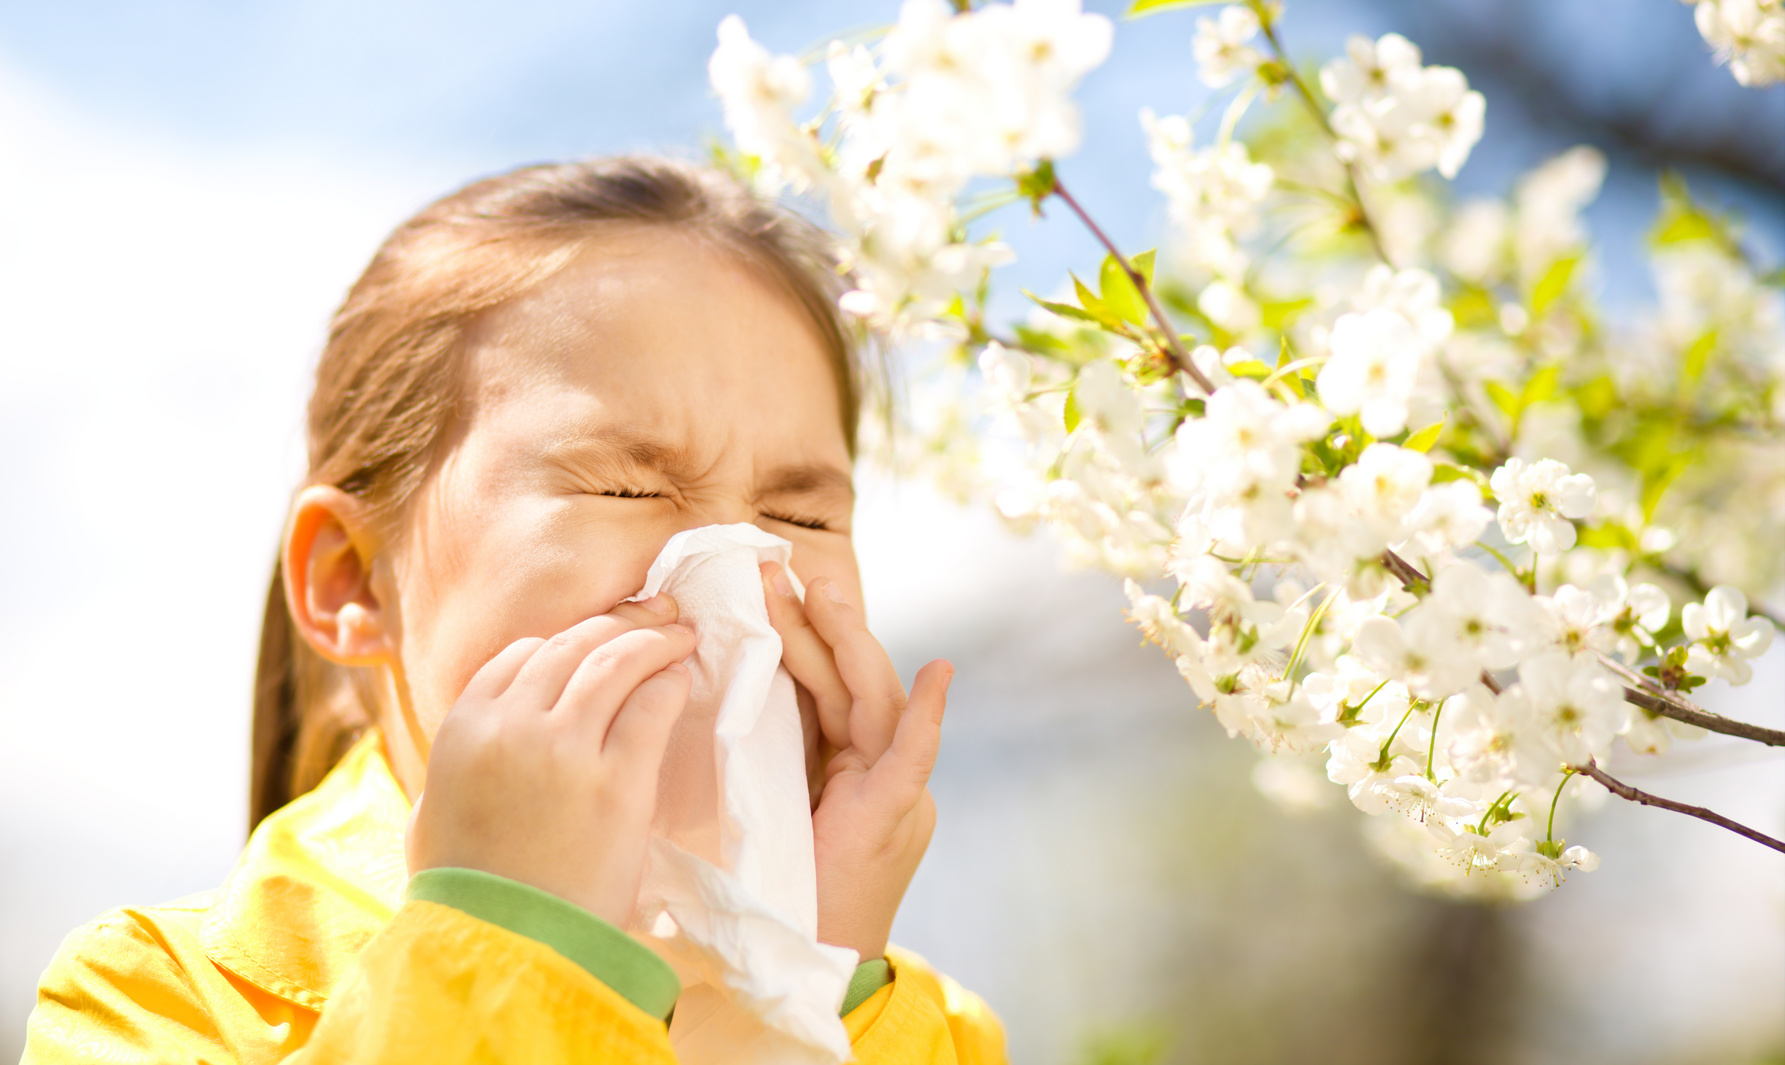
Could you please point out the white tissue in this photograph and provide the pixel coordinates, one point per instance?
(730, 892)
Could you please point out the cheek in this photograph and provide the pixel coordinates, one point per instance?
(530, 567)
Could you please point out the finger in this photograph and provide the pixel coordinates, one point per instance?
(901, 775)
(543, 677)
(494, 676)
(608, 676)
(877, 697)
(640, 731)
(807, 657)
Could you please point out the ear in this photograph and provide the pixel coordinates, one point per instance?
(328, 552)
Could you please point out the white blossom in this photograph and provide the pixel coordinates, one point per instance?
(1548, 202)
(1475, 246)
(759, 92)
(1007, 373)
(1160, 623)
(1417, 654)
(1385, 484)
(1448, 515)
(1220, 48)
(1395, 117)
(1213, 193)
(1546, 872)
(1637, 613)
(1228, 306)
(1372, 370)
(1749, 35)
(1473, 850)
(1483, 618)
(1579, 619)
(1364, 73)
(1537, 500)
(1723, 636)
(1575, 705)
(1413, 294)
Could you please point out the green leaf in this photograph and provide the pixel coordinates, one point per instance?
(1681, 220)
(1473, 306)
(1087, 299)
(1064, 310)
(1597, 397)
(1119, 293)
(1608, 534)
(1252, 368)
(1698, 356)
(1072, 414)
(1504, 399)
(1450, 471)
(1541, 386)
(1275, 314)
(1656, 480)
(1040, 340)
(1284, 357)
(1553, 284)
(1142, 8)
(1144, 263)
(1686, 226)
(1425, 438)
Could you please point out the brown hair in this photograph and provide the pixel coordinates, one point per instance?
(388, 379)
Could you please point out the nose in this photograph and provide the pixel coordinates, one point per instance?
(719, 508)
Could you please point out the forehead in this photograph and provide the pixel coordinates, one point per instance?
(660, 332)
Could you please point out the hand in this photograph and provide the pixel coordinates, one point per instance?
(545, 769)
(875, 815)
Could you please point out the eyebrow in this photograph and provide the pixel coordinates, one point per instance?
(615, 450)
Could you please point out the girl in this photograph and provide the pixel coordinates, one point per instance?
(537, 382)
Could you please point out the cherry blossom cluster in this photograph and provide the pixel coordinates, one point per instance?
(945, 99)
(1749, 35)
(1389, 490)
(1395, 117)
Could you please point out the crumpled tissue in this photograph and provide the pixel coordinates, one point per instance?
(730, 892)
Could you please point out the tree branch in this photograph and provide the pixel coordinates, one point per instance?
(1704, 719)
(1625, 791)
(1174, 347)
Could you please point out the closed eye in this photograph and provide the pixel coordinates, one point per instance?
(804, 523)
(629, 493)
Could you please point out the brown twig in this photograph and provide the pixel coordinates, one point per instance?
(1625, 791)
(1174, 348)
(1672, 707)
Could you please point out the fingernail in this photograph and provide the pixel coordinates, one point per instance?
(781, 585)
(832, 592)
(676, 667)
(657, 604)
(676, 626)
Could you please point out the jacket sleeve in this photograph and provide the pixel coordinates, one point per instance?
(924, 1018)
(436, 985)
(441, 987)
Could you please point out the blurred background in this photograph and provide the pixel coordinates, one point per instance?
(188, 187)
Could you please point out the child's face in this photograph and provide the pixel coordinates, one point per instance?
(655, 385)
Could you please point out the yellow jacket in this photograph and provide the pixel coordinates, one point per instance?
(308, 953)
